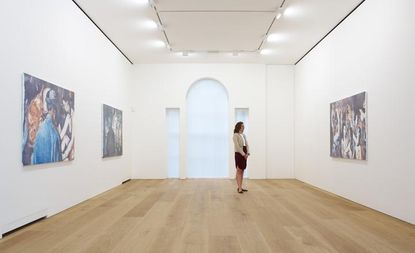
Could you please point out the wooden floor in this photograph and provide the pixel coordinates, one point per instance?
(210, 216)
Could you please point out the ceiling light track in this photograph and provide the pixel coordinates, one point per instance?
(267, 33)
(153, 5)
(278, 15)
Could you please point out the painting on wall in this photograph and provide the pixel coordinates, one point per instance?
(48, 112)
(348, 129)
(112, 131)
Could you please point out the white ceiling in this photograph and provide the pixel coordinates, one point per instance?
(216, 31)
(212, 31)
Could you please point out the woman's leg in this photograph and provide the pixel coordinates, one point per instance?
(239, 178)
(242, 176)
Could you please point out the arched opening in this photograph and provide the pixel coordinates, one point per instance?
(207, 130)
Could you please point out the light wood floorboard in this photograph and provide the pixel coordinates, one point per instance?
(209, 216)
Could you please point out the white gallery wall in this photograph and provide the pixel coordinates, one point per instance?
(53, 40)
(373, 51)
(280, 122)
(161, 86)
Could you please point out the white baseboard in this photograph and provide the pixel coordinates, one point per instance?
(22, 221)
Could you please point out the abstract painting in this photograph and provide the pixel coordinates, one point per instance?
(348, 129)
(112, 131)
(48, 112)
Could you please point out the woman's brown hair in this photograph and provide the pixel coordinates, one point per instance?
(238, 127)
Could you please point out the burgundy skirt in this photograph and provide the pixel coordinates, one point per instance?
(240, 161)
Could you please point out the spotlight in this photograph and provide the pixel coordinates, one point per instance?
(151, 3)
(160, 27)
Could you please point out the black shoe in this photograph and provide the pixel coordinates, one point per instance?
(244, 190)
(240, 191)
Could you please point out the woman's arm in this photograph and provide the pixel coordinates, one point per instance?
(237, 145)
(247, 145)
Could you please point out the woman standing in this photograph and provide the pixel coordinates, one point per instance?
(241, 153)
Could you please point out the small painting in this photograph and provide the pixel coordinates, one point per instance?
(112, 131)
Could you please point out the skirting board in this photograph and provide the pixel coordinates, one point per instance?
(22, 221)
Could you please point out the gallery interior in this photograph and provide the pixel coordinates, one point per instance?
(119, 119)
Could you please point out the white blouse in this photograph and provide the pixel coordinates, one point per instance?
(243, 139)
(239, 141)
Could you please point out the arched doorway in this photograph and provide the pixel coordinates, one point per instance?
(207, 130)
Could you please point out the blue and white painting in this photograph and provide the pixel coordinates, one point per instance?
(48, 112)
(112, 131)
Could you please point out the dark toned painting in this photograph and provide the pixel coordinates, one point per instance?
(348, 130)
(112, 131)
(48, 112)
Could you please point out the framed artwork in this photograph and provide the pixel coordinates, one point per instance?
(348, 129)
(112, 131)
(48, 112)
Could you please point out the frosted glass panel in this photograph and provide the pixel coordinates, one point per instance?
(242, 114)
(173, 143)
(207, 126)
